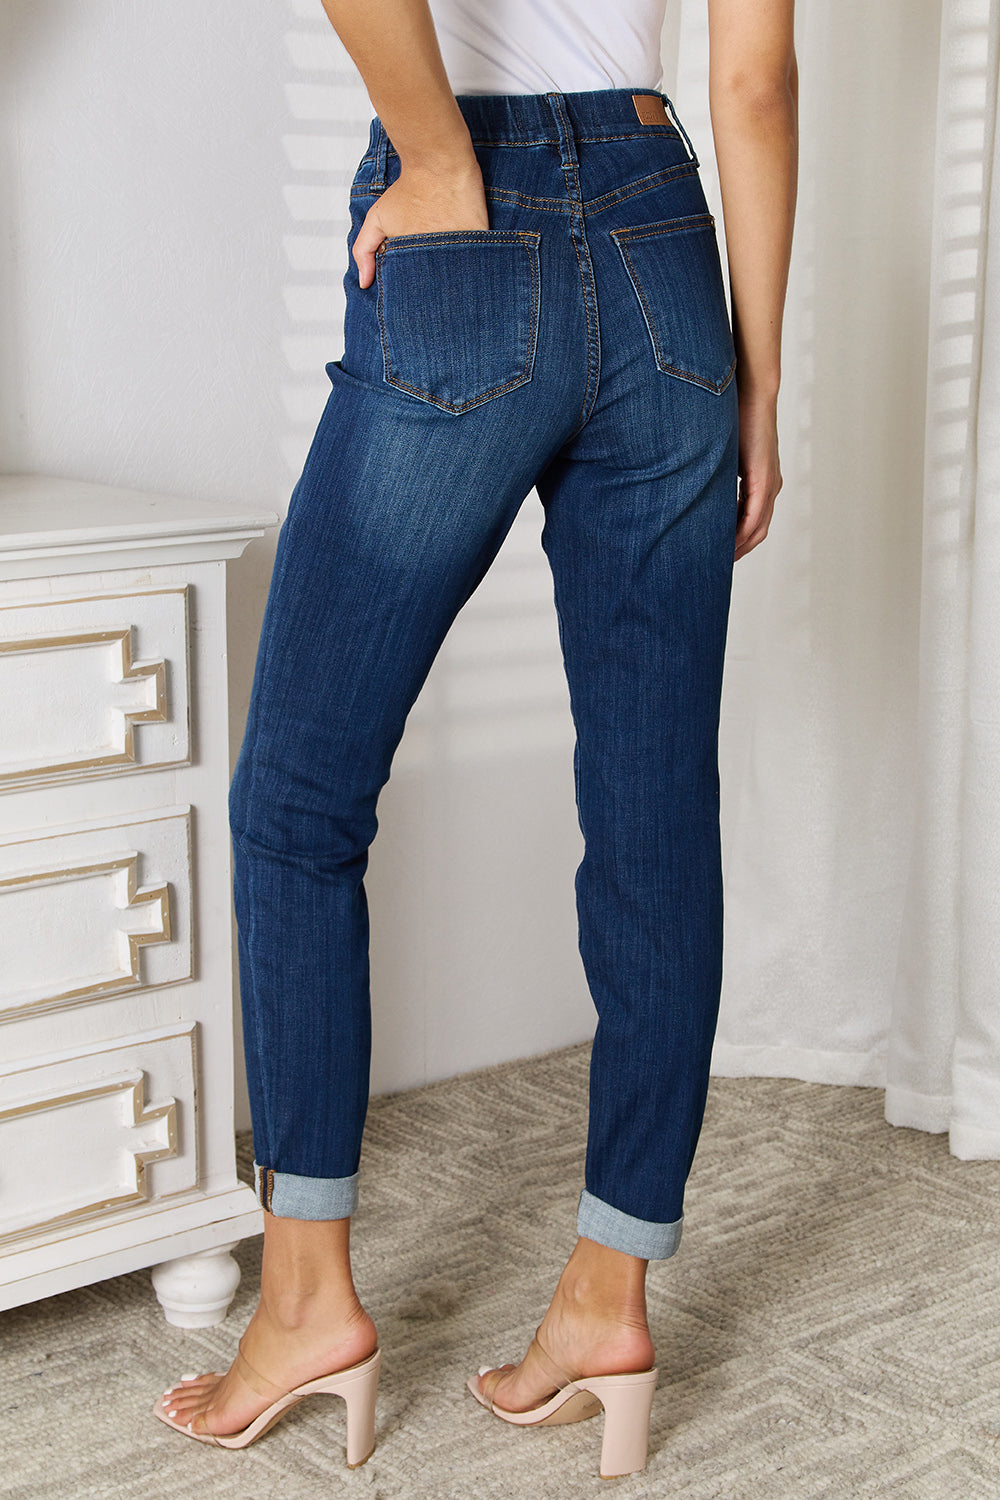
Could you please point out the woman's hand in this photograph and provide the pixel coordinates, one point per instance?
(418, 202)
(759, 470)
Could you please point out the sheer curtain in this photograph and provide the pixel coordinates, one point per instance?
(860, 749)
(944, 1037)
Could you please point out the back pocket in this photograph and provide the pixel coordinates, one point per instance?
(458, 313)
(675, 269)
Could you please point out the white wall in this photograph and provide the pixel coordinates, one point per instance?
(174, 178)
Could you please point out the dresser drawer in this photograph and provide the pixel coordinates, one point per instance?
(93, 686)
(107, 1128)
(97, 912)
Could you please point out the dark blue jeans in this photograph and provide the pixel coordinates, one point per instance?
(581, 345)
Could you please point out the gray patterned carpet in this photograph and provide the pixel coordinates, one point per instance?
(830, 1327)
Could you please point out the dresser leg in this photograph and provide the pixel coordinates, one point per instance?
(195, 1291)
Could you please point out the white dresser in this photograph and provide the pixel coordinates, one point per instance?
(116, 935)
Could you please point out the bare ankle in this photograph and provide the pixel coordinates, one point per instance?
(299, 1309)
(306, 1272)
(604, 1284)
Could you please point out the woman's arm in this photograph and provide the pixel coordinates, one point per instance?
(753, 95)
(440, 186)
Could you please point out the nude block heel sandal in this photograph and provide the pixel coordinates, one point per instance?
(627, 1401)
(356, 1385)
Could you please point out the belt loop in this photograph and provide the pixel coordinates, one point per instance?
(567, 141)
(381, 156)
(677, 121)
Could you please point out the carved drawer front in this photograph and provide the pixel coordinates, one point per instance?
(92, 687)
(88, 915)
(80, 1133)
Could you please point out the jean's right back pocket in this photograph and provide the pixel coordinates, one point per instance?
(676, 273)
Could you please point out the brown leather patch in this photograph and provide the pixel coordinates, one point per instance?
(650, 109)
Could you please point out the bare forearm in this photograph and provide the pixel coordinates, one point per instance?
(753, 88)
(753, 93)
(439, 185)
(756, 146)
(395, 49)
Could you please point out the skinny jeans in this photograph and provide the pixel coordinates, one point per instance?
(580, 345)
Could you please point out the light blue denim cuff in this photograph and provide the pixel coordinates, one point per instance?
(289, 1196)
(597, 1220)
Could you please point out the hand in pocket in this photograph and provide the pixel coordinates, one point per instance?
(419, 202)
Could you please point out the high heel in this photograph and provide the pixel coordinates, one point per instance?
(627, 1401)
(357, 1385)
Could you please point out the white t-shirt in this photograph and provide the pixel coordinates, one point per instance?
(536, 46)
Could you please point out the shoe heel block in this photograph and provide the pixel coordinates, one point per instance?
(627, 1402)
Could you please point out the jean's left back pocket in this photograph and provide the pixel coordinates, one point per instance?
(458, 313)
(676, 273)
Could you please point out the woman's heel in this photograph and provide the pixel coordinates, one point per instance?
(627, 1402)
(357, 1386)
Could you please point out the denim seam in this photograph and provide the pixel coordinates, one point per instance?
(263, 1186)
(561, 205)
(252, 906)
(662, 132)
(525, 200)
(636, 189)
(586, 308)
(577, 204)
(663, 226)
(667, 132)
(499, 237)
(249, 867)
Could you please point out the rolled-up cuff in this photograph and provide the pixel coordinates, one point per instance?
(597, 1220)
(289, 1196)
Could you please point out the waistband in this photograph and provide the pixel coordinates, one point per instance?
(546, 119)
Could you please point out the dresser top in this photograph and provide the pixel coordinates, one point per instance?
(70, 525)
(35, 508)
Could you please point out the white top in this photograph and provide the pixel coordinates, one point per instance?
(535, 46)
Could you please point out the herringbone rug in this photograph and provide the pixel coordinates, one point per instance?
(830, 1327)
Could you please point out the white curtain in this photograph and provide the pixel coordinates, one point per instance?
(860, 743)
(944, 1037)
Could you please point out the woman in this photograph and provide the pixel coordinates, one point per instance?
(534, 298)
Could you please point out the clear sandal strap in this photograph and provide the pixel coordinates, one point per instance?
(207, 1431)
(555, 1373)
(258, 1382)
